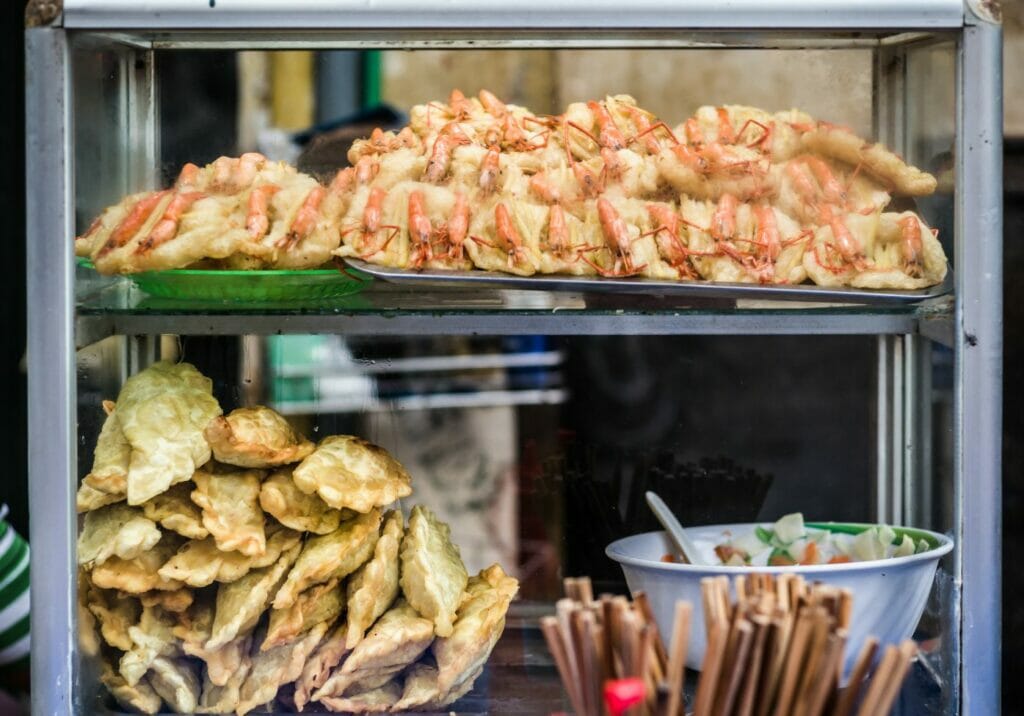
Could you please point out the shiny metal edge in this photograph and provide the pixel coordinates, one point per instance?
(51, 375)
(979, 365)
(514, 14)
(646, 286)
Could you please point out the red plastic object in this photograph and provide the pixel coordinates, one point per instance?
(620, 694)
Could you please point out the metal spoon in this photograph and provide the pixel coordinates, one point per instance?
(675, 530)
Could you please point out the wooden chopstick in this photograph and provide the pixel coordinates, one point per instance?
(676, 669)
(556, 645)
(844, 706)
(894, 680)
(873, 698)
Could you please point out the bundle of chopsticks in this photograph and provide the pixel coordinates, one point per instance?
(777, 650)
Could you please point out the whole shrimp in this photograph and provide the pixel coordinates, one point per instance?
(167, 227)
(767, 241)
(669, 240)
(509, 235)
(372, 213)
(441, 155)
(130, 224)
(489, 169)
(458, 227)
(305, 219)
(608, 134)
(257, 221)
(420, 231)
(911, 246)
(619, 240)
(558, 232)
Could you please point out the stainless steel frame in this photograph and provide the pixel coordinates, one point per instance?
(974, 328)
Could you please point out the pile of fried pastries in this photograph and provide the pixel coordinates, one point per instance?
(733, 194)
(229, 564)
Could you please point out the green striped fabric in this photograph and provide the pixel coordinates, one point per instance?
(14, 596)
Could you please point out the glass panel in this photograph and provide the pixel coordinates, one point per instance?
(537, 450)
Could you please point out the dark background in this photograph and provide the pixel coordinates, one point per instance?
(13, 482)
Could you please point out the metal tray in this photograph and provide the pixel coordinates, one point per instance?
(475, 278)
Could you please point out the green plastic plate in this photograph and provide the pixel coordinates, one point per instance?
(249, 286)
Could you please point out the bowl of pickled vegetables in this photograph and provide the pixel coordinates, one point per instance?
(888, 570)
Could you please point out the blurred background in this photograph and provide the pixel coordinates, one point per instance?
(528, 469)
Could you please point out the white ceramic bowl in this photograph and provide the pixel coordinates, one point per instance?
(888, 595)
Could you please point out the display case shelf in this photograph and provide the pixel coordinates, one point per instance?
(122, 309)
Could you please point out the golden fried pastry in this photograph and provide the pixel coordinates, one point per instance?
(331, 556)
(151, 637)
(88, 632)
(841, 143)
(231, 510)
(115, 614)
(175, 601)
(480, 621)
(89, 498)
(281, 498)
(200, 563)
(138, 697)
(115, 531)
(256, 437)
(240, 603)
(276, 667)
(886, 250)
(163, 411)
(328, 654)
(346, 471)
(193, 629)
(433, 576)
(177, 683)
(420, 691)
(320, 603)
(111, 458)
(139, 575)
(223, 698)
(174, 510)
(374, 586)
(378, 700)
(398, 639)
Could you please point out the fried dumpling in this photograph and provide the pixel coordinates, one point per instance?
(115, 531)
(115, 615)
(398, 639)
(346, 471)
(174, 601)
(378, 700)
(331, 556)
(200, 563)
(480, 621)
(111, 457)
(231, 510)
(174, 510)
(281, 498)
(374, 586)
(163, 411)
(240, 603)
(433, 575)
(141, 574)
(177, 683)
(320, 603)
(329, 653)
(280, 665)
(421, 692)
(193, 629)
(89, 498)
(151, 637)
(256, 437)
(138, 697)
(223, 698)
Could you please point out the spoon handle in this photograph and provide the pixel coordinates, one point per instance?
(674, 529)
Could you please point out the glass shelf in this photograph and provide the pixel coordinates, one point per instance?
(116, 306)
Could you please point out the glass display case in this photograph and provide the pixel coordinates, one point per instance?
(532, 420)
